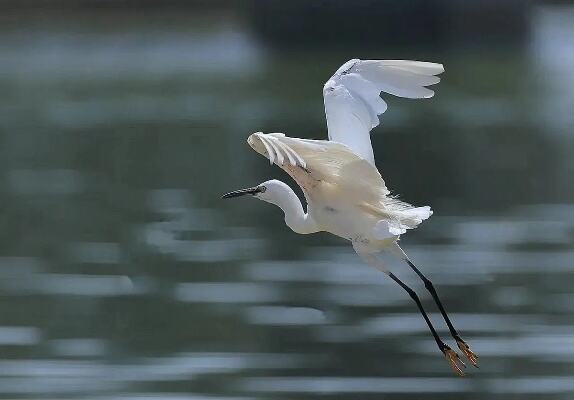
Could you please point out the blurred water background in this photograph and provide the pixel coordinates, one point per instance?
(123, 274)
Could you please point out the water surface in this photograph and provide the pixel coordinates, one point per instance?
(123, 275)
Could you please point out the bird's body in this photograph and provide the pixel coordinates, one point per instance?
(344, 191)
(345, 194)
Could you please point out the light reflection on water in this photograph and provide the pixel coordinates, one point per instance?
(320, 385)
(124, 276)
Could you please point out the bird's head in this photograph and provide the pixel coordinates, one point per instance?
(268, 191)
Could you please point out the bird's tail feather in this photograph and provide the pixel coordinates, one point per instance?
(414, 216)
(400, 221)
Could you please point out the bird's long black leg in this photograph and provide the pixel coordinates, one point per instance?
(460, 343)
(450, 355)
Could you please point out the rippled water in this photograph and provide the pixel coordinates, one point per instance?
(123, 275)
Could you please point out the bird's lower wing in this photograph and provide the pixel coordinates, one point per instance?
(313, 161)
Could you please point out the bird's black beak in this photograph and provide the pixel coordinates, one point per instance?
(242, 192)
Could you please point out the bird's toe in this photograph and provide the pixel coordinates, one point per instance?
(473, 358)
(454, 360)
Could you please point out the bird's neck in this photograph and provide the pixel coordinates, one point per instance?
(295, 216)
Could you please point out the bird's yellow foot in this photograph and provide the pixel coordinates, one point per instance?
(454, 360)
(473, 358)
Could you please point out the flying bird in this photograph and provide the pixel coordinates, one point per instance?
(344, 191)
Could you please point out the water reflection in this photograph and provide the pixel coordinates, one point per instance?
(19, 336)
(226, 293)
(320, 385)
(124, 276)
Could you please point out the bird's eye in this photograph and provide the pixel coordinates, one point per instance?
(262, 189)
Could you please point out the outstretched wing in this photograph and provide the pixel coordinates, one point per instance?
(308, 160)
(352, 97)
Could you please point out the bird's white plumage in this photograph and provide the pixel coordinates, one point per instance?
(326, 169)
(345, 193)
(278, 150)
(342, 171)
(352, 96)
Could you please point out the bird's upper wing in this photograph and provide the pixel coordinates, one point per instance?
(353, 102)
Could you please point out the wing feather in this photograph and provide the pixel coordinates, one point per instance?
(268, 148)
(352, 97)
(278, 152)
(288, 152)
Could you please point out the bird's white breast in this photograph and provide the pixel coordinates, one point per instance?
(332, 214)
(336, 212)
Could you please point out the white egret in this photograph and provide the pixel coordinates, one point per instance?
(345, 192)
